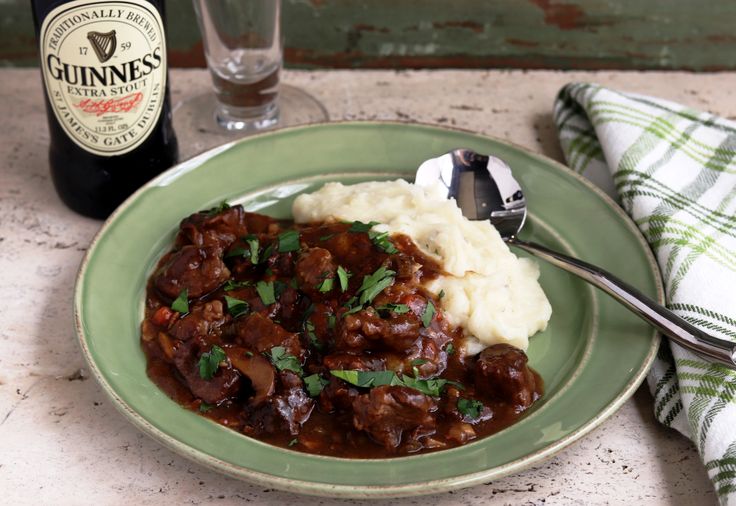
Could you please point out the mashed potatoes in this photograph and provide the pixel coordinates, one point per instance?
(489, 292)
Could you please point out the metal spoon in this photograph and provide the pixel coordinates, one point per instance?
(485, 189)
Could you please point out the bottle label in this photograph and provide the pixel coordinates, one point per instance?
(104, 66)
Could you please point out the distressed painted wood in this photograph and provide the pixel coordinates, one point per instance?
(566, 34)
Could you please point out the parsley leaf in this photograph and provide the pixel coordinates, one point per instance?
(382, 242)
(331, 320)
(470, 408)
(237, 252)
(293, 442)
(394, 308)
(283, 361)
(450, 349)
(359, 226)
(326, 285)
(204, 407)
(431, 387)
(375, 283)
(289, 241)
(181, 303)
(209, 362)
(428, 314)
(254, 246)
(236, 307)
(343, 275)
(267, 252)
(441, 294)
(368, 379)
(222, 206)
(309, 330)
(315, 384)
(265, 292)
(231, 284)
(326, 237)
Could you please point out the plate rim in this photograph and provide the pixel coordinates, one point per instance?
(361, 491)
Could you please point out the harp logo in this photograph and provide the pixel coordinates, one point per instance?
(103, 44)
(104, 67)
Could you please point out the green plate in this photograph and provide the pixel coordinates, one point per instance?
(592, 357)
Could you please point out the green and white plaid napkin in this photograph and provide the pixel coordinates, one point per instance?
(674, 171)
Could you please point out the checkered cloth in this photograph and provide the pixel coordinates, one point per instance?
(674, 171)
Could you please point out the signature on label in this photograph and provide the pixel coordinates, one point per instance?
(98, 107)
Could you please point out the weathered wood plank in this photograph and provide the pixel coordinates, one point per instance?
(574, 34)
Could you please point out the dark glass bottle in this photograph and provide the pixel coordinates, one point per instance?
(105, 77)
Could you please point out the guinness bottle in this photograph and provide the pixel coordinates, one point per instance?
(107, 98)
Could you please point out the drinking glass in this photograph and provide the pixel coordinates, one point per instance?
(242, 43)
(242, 46)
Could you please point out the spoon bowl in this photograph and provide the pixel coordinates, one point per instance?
(485, 189)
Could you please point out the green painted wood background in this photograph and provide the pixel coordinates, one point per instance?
(564, 34)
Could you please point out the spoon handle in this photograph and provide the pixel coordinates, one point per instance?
(709, 347)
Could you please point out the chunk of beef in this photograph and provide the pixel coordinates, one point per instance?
(367, 330)
(259, 333)
(313, 266)
(287, 409)
(350, 362)
(223, 385)
(387, 411)
(203, 320)
(501, 373)
(337, 396)
(219, 230)
(198, 270)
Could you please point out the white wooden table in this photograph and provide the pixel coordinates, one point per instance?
(62, 442)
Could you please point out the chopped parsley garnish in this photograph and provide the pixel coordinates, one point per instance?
(368, 379)
(359, 226)
(252, 252)
(234, 285)
(343, 275)
(419, 361)
(279, 287)
(326, 237)
(308, 312)
(283, 361)
(382, 242)
(267, 252)
(181, 303)
(289, 241)
(309, 330)
(265, 292)
(431, 387)
(450, 349)
(254, 246)
(428, 314)
(441, 294)
(379, 239)
(237, 252)
(394, 308)
(210, 361)
(375, 283)
(315, 384)
(222, 206)
(326, 285)
(470, 408)
(236, 307)
(331, 320)
(293, 442)
(204, 407)
(372, 285)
